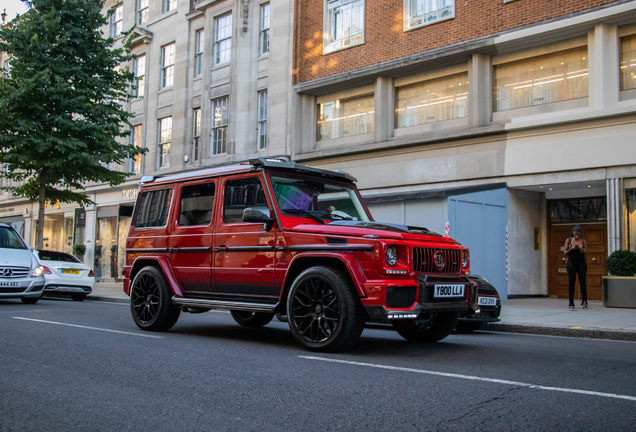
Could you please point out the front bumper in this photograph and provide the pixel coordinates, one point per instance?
(382, 304)
(27, 287)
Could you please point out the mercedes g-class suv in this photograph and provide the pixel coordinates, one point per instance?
(274, 237)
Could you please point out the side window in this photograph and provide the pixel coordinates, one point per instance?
(153, 208)
(196, 205)
(239, 195)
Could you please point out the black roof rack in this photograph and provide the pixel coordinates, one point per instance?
(284, 162)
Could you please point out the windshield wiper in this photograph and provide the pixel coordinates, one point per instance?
(305, 212)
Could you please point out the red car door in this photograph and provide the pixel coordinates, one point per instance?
(190, 247)
(244, 253)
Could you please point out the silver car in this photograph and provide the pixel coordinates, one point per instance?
(21, 276)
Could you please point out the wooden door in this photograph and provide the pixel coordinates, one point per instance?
(595, 235)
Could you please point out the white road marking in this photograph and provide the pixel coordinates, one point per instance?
(474, 378)
(89, 328)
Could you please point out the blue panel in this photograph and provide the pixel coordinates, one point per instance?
(470, 220)
(494, 259)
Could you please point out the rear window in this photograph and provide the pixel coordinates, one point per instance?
(9, 239)
(57, 256)
(153, 208)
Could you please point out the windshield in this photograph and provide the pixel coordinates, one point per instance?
(57, 256)
(317, 199)
(10, 239)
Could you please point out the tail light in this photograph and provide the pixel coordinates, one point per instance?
(91, 274)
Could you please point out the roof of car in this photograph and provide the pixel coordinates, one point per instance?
(275, 162)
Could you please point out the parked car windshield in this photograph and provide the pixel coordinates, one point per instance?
(10, 239)
(45, 255)
(317, 199)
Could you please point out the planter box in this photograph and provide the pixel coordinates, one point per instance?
(619, 291)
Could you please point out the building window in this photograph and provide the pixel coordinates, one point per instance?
(135, 136)
(167, 65)
(262, 119)
(630, 199)
(198, 56)
(169, 5)
(343, 118)
(142, 11)
(116, 21)
(219, 125)
(425, 12)
(344, 24)
(264, 28)
(541, 80)
(165, 139)
(628, 63)
(139, 66)
(432, 101)
(196, 134)
(223, 39)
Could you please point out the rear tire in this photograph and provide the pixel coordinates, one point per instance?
(468, 326)
(150, 303)
(30, 300)
(252, 319)
(433, 330)
(324, 311)
(78, 297)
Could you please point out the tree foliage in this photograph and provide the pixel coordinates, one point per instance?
(61, 104)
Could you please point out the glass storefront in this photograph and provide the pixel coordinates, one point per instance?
(630, 200)
(110, 240)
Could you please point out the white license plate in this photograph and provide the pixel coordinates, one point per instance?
(9, 284)
(448, 291)
(487, 301)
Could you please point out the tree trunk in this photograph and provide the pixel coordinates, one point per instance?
(39, 232)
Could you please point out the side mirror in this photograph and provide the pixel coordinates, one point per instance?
(258, 214)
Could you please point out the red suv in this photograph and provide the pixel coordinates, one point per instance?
(274, 237)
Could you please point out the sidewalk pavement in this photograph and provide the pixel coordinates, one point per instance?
(545, 316)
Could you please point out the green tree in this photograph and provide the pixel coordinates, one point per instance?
(61, 103)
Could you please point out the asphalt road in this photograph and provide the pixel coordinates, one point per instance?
(85, 366)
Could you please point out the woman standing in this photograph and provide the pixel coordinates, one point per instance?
(575, 264)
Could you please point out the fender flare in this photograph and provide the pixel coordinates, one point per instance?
(165, 267)
(348, 260)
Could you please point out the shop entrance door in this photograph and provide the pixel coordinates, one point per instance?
(595, 235)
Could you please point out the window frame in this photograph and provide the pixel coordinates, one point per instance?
(116, 25)
(228, 182)
(165, 68)
(220, 41)
(625, 93)
(215, 142)
(139, 77)
(199, 40)
(409, 17)
(262, 119)
(196, 133)
(330, 41)
(265, 27)
(136, 136)
(162, 143)
(140, 17)
(138, 209)
(167, 5)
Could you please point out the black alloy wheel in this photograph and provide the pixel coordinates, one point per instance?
(150, 302)
(437, 328)
(324, 311)
(252, 319)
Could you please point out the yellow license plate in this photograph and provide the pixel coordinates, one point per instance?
(68, 271)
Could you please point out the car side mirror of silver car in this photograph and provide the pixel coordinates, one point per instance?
(258, 214)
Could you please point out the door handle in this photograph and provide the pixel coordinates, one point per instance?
(220, 249)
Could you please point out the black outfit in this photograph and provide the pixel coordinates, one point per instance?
(576, 264)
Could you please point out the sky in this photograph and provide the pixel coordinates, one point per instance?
(13, 7)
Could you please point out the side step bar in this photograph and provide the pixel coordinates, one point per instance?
(223, 305)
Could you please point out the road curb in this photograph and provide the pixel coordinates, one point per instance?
(107, 299)
(561, 331)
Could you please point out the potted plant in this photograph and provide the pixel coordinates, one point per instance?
(79, 249)
(619, 288)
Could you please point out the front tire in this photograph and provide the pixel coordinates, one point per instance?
(437, 328)
(78, 296)
(30, 300)
(323, 310)
(252, 319)
(150, 303)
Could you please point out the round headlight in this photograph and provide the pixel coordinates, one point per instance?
(464, 258)
(391, 256)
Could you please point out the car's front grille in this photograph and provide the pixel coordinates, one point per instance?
(424, 260)
(487, 290)
(11, 290)
(10, 272)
